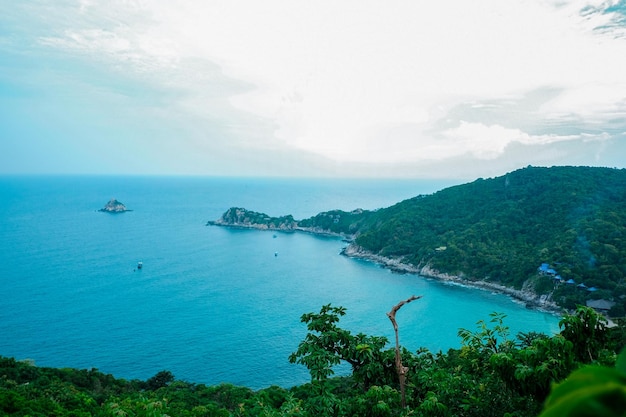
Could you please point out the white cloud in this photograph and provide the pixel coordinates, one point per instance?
(139, 52)
(594, 102)
(367, 80)
(489, 142)
(359, 69)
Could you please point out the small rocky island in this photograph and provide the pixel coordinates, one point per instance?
(114, 206)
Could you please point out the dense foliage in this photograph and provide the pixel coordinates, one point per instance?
(492, 374)
(502, 229)
(237, 216)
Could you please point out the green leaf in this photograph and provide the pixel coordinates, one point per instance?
(590, 391)
(620, 365)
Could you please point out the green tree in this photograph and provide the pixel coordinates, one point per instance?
(161, 379)
(587, 330)
(592, 391)
(327, 345)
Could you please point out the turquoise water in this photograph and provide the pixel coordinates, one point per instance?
(211, 304)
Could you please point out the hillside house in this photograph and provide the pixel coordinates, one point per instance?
(546, 270)
(601, 306)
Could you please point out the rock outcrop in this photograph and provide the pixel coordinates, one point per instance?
(114, 206)
(240, 217)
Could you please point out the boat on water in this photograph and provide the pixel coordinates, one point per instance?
(139, 265)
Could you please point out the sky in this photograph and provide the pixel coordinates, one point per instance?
(292, 88)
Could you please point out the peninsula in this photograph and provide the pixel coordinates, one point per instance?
(114, 206)
(553, 237)
(239, 217)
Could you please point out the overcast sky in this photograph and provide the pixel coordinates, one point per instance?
(458, 89)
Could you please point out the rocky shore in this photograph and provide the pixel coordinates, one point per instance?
(280, 228)
(245, 219)
(525, 295)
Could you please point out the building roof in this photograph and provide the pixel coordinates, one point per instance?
(600, 304)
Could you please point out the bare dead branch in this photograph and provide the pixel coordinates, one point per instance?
(401, 369)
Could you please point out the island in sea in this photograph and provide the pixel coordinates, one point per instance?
(552, 237)
(114, 206)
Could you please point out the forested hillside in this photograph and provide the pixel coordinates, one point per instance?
(499, 230)
(502, 229)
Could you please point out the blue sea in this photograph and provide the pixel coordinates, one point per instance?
(210, 304)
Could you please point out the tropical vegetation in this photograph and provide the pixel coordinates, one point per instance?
(493, 373)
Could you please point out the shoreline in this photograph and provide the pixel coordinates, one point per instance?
(263, 227)
(529, 298)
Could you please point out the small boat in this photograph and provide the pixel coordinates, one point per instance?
(139, 265)
(275, 253)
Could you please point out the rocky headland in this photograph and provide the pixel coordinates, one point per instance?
(114, 206)
(238, 217)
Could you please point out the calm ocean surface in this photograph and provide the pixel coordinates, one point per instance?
(211, 304)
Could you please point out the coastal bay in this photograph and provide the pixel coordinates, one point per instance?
(394, 264)
(211, 304)
(494, 234)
